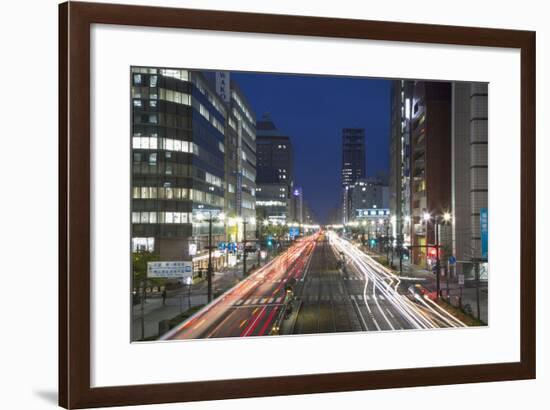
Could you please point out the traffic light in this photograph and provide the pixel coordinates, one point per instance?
(269, 242)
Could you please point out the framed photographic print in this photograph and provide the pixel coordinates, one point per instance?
(255, 205)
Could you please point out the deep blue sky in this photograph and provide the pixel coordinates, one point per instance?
(312, 110)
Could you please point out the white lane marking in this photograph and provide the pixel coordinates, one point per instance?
(238, 302)
(390, 313)
(270, 300)
(248, 301)
(352, 297)
(279, 299)
(360, 297)
(263, 300)
(361, 315)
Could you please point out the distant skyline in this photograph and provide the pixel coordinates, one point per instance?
(312, 110)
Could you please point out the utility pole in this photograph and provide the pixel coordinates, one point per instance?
(209, 274)
(142, 318)
(476, 270)
(437, 261)
(245, 222)
(210, 247)
(387, 241)
(400, 247)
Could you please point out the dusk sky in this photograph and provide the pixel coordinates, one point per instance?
(312, 110)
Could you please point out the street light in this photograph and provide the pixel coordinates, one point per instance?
(245, 222)
(438, 221)
(201, 218)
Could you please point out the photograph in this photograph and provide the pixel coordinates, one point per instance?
(277, 204)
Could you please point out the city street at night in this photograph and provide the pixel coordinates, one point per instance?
(263, 206)
(322, 284)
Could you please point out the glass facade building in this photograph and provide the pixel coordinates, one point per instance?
(178, 160)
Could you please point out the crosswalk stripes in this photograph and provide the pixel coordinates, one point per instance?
(308, 298)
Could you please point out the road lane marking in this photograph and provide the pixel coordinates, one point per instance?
(391, 314)
(361, 315)
(252, 325)
(270, 300)
(238, 302)
(268, 321)
(247, 301)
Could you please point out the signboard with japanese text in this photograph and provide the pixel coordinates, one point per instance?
(169, 269)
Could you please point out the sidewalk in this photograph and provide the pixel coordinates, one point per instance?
(448, 285)
(179, 300)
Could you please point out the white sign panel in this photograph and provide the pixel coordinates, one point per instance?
(222, 85)
(174, 269)
(192, 249)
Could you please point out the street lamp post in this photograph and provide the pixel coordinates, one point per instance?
(189, 283)
(210, 247)
(210, 259)
(245, 222)
(438, 220)
(402, 242)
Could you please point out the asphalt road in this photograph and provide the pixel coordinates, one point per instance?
(253, 306)
(335, 288)
(382, 300)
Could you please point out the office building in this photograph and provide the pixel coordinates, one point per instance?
(368, 193)
(430, 165)
(470, 177)
(274, 172)
(400, 149)
(240, 160)
(353, 165)
(193, 157)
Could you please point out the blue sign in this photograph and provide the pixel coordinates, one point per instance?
(484, 231)
(221, 246)
(294, 231)
(452, 260)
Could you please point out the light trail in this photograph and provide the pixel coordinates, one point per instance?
(386, 284)
(279, 269)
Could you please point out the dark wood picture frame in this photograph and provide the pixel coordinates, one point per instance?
(75, 20)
